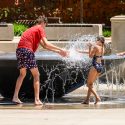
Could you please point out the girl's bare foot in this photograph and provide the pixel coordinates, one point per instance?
(38, 102)
(85, 102)
(17, 101)
(97, 100)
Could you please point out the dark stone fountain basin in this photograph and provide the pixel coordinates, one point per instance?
(55, 78)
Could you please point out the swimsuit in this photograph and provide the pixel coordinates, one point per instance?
(98, 66)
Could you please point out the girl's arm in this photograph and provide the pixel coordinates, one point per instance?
(83, 51)
(121, 53)
(92, 51)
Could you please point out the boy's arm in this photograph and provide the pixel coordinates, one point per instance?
(49, 46)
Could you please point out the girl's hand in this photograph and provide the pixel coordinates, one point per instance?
(77, 50)
(89, 44)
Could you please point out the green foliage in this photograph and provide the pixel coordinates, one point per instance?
(19, 29)
(106, 32)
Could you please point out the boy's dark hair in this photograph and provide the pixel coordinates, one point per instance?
(41, 19)
(101, 39)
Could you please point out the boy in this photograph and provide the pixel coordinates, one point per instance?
(27, 46)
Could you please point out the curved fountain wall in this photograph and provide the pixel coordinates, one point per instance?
(58, 76)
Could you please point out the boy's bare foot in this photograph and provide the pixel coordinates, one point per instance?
(38, 102)
(17, 101)
(97, 100)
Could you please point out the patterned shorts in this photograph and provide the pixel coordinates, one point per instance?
(25, 58)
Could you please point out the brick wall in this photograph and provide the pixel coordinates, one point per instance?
(94, 11)
(6, 3)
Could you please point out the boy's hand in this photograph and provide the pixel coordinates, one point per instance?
(64, 53)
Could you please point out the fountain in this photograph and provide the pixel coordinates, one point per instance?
(60, 76)
(56, 77)
(54, 80)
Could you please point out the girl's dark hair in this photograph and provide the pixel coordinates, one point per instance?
(41, 19)
(101, 39)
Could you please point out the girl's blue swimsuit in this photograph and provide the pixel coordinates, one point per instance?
(98, 66)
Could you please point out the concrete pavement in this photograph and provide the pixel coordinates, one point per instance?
(63, 117)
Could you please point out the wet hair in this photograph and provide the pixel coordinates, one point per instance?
(101, 39)
(41, 19)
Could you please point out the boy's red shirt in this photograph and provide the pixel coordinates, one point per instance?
(30, 39)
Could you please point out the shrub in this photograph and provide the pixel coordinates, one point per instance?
(19, 29)
(106, 32)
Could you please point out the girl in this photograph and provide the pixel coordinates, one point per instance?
(95, 52)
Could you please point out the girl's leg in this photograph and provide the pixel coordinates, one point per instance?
(87, 98)
(18, 85)
(92, 90)
(35, 73)
(93, 74)
(96, 95)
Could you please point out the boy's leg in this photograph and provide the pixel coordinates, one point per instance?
(18, 85)
(35, 73)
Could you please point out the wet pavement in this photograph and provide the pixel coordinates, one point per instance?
(66, 102)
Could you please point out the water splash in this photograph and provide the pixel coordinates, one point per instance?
(74, 69)
(71, 73)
